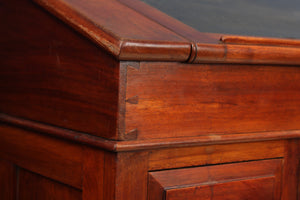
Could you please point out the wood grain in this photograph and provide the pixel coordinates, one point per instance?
(93, 174)
(171, 23)
(214, 154)
(125, 176)
(157, 37)
(253, 189)
(50, 157)
(35, 187)
(124, 34)
(134, 145)
(133, 50)
(291, 170)
(51, 74)
(8, 180)
(260, 41)
(236, 180)
(247, 54)
(134, 26)
(180, 100)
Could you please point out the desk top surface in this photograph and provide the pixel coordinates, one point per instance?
(132, 30)
(266, 18)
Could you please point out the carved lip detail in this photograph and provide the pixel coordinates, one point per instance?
(165, 44)
(134, 145)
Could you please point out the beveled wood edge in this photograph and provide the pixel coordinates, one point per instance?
(58, 132)
(140, 145)
(121, 48)
(247, 54)
(231, 49)
(105, 39)
(247, 40)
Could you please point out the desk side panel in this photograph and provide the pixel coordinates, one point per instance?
(53, 75)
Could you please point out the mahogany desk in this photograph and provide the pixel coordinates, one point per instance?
(115, 100)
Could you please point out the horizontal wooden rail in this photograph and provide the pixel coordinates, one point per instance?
(121, 146)
(242, 40)
(247, 54)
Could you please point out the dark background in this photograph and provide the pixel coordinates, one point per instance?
(273, 18)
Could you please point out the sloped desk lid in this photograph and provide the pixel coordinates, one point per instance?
(133, 30)
(263, 18)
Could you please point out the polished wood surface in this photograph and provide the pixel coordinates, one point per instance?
(247, 54)
(260, 41)
(133, 145)
(35, 187)
(144, 38)
(247, 17)
(55, 76)
(252, 180)
(253, 189)
(114, 100)
(47, 156)
(213, 154)
(161, 38)
(93, 174)
(171, 23)
(177, 100)
(123, 175)
(291, 172)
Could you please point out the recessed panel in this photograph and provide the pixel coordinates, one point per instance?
(35, 187)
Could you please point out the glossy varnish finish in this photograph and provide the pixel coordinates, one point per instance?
(35, 187)
(48, 156)
(251, 180)
(143, 39)
(176, 100)
(214, 154)
(124, 175)
(161, 38)
(171, 23)
(55, 76)
(90, 111)
(245, 189)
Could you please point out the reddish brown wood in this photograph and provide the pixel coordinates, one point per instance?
(8, 180)
(59, 132)
(178, 27)
(245, 180)
(143, 37)
(291, 170)
(204, 140)
(155, 50)
(260, 41)
(50, 157)
(121, 146)
(214, 154)
(83, 118)
(161, 38)
(253, 189)
(179, 100)
(125, 176)
(93, 174)
(247, 54)
(54, 75)
(35, 187)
